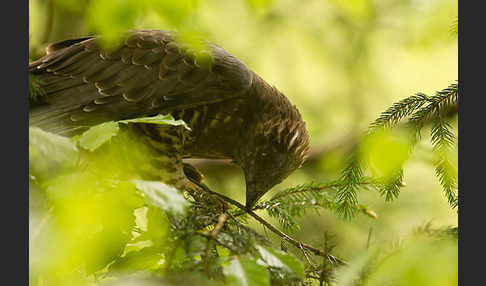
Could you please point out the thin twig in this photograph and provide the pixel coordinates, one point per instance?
(365, 181)
(307, 258)
(296, 243)
(293, 241)
(212, 241)
(369, 239)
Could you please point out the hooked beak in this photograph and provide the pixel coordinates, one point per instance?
(253, 194)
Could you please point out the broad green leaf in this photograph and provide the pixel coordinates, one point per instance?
(276, 258)
(162, 196)
(104, 247)
(57, 148)
(246, 272)
(94, 137)
(146, 258)
(75, 185)
(157, 223)
(158, 119)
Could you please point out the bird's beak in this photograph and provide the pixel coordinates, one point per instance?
(253, 193)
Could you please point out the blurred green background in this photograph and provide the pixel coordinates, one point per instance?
(341, 62)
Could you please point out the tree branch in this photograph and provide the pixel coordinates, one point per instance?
(212, 241)
(300, 245)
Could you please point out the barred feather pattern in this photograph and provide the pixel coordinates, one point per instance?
(232, 112)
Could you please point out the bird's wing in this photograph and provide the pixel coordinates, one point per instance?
(150, 72)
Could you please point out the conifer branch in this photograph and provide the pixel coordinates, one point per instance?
(347, 194)
(391, 183)
(418, 108)
(295, 202)
(442, 139)
(397, 111)
(212, 236)
(300, 245)
(443, 142)
(296, 243)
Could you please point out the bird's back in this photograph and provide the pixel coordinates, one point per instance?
(232, 112)
(148, 73)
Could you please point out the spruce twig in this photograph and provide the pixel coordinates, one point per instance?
(212, 236)
(297, 201)
(296, 243)
(418, 108)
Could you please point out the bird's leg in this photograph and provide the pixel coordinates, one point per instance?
(198, 190)
(192, 173)
(164, 146)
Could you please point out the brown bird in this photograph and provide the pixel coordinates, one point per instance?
(231, 111)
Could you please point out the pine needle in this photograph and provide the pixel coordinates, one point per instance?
(418, 108)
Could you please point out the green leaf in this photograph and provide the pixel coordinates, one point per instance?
(57, 148)
(158, 119)
(94, 137)
(76, 185)
(157, 223)
(144, 259)
(104, 247)
(279, 259)
(162, 196)
(246, 272)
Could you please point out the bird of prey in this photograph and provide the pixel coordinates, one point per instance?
(231, 111)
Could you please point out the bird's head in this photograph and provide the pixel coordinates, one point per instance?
(268, 167)
(276, 147)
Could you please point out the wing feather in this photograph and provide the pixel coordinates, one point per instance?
(149, 72)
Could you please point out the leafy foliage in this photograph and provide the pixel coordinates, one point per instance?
(245, 272)
(419, 109)
(98, 222)
(107, 223)
(136, 226)
(93, 138)
(158, 119)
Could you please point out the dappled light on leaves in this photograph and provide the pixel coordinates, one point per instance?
(246, 272)
(90, 210)
(95, 220)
